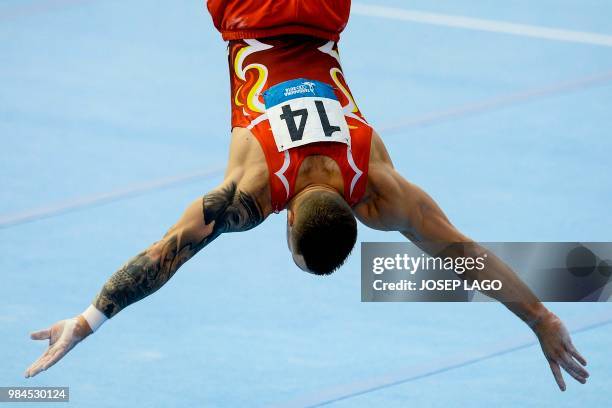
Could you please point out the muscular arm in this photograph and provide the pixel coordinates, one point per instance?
(416, 215)
(397, 205)
(394, 204)
(226, 209)
(223, 210)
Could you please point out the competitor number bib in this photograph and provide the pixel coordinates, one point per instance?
(303, 111)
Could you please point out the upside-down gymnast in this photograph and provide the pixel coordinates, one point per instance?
(300, 143)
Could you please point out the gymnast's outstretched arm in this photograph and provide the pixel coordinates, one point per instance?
(397, 205)
(225, 209)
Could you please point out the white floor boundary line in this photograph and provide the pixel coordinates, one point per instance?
(78, 203)
(498, 102)
(38, 7)
(94, 200)
(477, 24)
(394, 13)
(329, 396)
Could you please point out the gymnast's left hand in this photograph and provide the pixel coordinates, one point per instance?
(559, 350)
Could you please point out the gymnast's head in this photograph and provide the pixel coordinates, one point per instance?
(321, 230)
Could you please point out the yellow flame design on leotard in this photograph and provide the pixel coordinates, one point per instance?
(252, 101)
(236, 100)
(352, 106)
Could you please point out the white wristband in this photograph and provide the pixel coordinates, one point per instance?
(94, 317)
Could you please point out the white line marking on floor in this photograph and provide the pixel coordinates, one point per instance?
(498, 102)
(79, 203)
(478, 24)
(39, 7)
(343, 392)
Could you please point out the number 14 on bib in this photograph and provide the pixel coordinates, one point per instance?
(305, 111)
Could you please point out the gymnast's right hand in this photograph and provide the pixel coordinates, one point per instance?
(62, 336)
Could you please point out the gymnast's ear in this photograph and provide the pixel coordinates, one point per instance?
(290, 217)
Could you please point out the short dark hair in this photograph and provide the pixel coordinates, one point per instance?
(324, 232)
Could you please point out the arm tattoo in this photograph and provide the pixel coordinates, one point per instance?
(231, 210)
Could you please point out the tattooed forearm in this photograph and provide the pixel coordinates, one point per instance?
(143, 275)
(231, 210)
